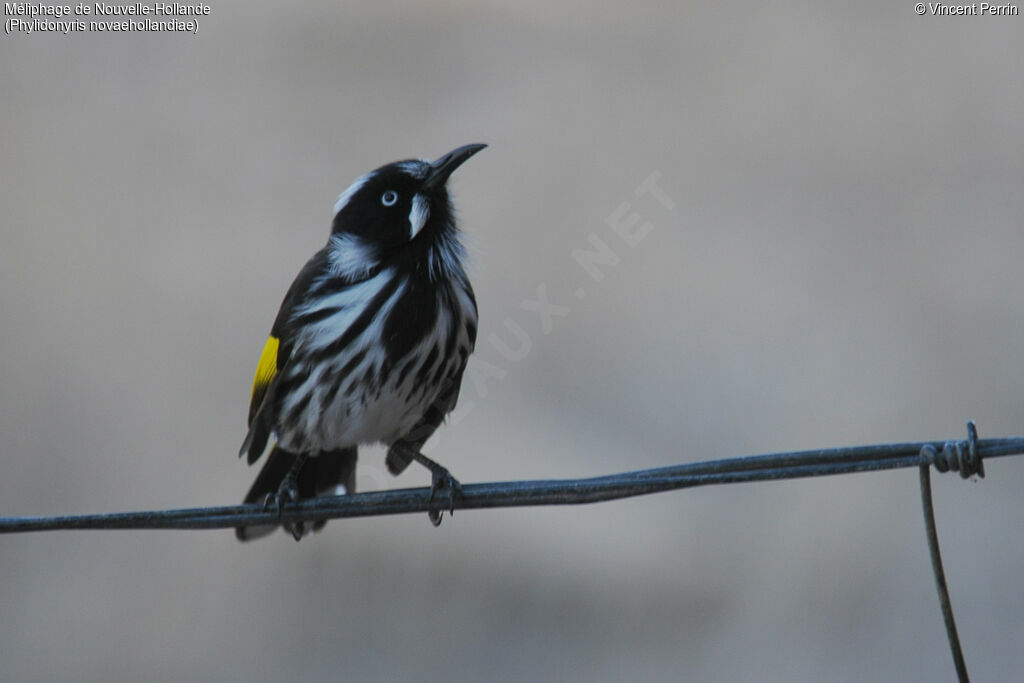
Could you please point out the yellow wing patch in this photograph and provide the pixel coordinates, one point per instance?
(266, 369)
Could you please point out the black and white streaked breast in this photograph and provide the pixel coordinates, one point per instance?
(383, 348)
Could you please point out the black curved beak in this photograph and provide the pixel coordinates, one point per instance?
(443, 167)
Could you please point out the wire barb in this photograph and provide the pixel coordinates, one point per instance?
(959, 456)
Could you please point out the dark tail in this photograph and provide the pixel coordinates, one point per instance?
(320, 475)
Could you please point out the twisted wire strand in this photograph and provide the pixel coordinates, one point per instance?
(789, 465)
(963, 456)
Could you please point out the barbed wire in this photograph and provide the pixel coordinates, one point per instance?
(964, 456)
(789, 465)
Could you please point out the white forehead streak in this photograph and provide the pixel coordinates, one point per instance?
(417, 168)
(347, 195)
(418, 215)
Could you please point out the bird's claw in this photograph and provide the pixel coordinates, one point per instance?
(287, 492)
(297, 529)
(442, 479)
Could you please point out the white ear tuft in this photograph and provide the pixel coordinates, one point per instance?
(351, 257)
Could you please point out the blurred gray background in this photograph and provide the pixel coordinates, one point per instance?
(840, 266)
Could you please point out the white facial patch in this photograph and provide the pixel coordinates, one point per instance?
(347, 195)
(418, 215)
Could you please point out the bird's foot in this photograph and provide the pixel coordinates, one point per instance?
(441, 481)
(287, 492)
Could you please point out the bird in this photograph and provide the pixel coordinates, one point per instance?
(369, 345)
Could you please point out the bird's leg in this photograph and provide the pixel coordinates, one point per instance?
(288, 490)
(440, 478)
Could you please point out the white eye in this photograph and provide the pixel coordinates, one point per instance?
(389, 198)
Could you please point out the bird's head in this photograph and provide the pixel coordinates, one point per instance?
(398, 206)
